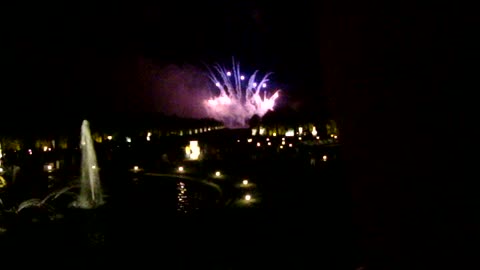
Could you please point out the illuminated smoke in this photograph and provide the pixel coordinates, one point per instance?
(239, 98)
(179, 90)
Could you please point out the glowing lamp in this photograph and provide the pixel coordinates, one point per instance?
(248, 197)
(245, 182)
(180, 169)
(217, 173)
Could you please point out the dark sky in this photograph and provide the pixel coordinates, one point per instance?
(92, 58)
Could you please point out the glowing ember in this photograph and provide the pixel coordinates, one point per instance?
(238, 99)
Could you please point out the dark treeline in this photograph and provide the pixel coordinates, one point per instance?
(46, 126)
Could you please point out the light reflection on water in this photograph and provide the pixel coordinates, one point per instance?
(182, 204)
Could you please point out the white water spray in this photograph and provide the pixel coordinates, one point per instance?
(91, 194)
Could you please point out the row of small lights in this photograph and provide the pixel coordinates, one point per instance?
(181, 169)
(149, 134)
(249, 140)
(283, 138)
(245, 182)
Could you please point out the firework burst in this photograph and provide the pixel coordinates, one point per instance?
(238, 98)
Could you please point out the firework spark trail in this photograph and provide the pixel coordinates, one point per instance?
(237, 101)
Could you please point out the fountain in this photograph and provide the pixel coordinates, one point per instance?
(90, 190)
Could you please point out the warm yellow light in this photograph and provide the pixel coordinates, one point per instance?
(290, 145)
(262, 131)
(135, 168)
(248, 197)
(217, 173)
(283, 142)
(109, 138)
(49, 167)
(290, 133)
(180, 169)
(249, 140)
(324, 157)
(192, 151)
(269, 143)
(3, 183)
(45, 149)
(245, 182)
(258, 144)
(1, 170)
(274, 134)
(94, 167)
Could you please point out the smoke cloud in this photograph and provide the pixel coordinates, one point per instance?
(180, 90)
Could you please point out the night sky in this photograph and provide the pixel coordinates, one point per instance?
(100, 58)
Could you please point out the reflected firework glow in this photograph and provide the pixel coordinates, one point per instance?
(238, 99)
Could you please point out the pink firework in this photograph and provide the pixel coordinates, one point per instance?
(239, 98)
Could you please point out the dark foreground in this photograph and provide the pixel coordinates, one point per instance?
(300, 222)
